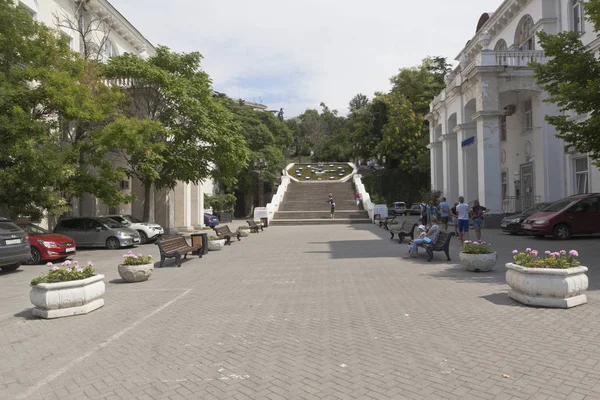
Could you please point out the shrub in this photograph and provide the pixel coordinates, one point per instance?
(243, 227)
(132, 259)
(557, 259)
(67, 271)
(220, 202)
(476, 247)
(212, 237)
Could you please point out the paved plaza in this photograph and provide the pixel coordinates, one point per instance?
(306, 312)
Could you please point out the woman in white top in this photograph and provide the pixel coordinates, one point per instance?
(430, 238)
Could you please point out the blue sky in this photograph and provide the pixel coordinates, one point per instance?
(297, 54)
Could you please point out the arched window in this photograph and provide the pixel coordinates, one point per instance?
(500, 45)
(577, 17)
(524, 36)
(109, 49)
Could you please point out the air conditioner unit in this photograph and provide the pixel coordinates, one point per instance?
(124, 184)
(509, 110)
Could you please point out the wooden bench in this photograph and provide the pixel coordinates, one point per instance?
(383, 223)
(254, 227)
(442, 244)
(404, 230)
(225, 232)
(175, 248)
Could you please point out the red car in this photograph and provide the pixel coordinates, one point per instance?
(45, 245)
(573, 215)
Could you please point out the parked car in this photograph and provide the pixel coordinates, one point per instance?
(210, 220)
(574, 215)
(148, 231)
(98, 232)
(14, 246)
(512, 223)
(415, 209)
(397, 208)
(45, 245)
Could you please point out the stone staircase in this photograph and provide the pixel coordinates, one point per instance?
(305, 203)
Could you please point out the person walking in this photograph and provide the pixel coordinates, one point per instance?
(462, 210)
(479, 212)
(331, 204)
(454, 214)
(432, 210)
(429, 238)
(445, 213)
(424, 213)
(357, 198)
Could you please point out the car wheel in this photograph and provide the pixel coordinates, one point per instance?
(12, 267)
(143, 237)
(561, 231)
(112, 243)
(35, 257)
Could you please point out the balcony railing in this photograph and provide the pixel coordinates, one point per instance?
(123, 83)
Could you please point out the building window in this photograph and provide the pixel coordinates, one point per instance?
(528, 115)
(68, 39)
(504, 184)
(30, 7)
(580, 166)
(503, 128)
(501, 45)
(524, 36)
(577, 16)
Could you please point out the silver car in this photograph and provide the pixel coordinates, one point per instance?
(98, 232)
(14, 246)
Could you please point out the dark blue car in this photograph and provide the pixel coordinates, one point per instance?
(211, 220)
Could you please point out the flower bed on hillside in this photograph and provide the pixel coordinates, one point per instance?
(320, 171)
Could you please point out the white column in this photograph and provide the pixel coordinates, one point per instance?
(450, 157)
(489, 165)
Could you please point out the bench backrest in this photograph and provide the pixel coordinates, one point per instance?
(443, 237)
(168, 245)
(222, 230)
(252, 224)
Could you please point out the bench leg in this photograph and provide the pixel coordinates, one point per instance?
(392, 234)
(400, 238)
(162, 260)
(178, 260)
(446, 250)
(261, 228)
(185, 256)
(429, 253)
(238, 236)
(228, 241)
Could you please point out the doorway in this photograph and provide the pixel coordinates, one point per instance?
(527, 186)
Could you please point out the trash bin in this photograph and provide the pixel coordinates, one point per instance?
(265, 222)
(202, 240)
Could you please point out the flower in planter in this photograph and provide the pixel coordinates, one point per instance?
(212, 237)
(551, 259)
(243, 227)
(481, 247)
(131, 259)
(67, 271)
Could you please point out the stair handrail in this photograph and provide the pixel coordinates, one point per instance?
(273, 206)
(365, 198)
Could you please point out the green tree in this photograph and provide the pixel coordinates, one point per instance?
(359, 101)
(172, 129)
(43, 85)
(572, 78)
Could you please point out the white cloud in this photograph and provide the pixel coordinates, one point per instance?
(297, 54)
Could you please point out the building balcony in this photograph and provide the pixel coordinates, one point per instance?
(513, 59)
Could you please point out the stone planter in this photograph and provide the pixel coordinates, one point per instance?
(64, 299)
(244, 232)
(547, 287)
(478, 262)
(136, 273)
(215, 245)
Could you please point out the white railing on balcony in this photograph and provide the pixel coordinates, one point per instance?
(120, 82)
(510, 58)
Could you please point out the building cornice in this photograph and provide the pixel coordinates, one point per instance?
(122, 26)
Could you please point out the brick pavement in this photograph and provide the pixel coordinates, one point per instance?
(306, 312)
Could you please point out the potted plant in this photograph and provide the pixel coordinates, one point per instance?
(215, 243)
(67, 289)
(243, 231)
(554, 279)
(478, 256)
(136, 268)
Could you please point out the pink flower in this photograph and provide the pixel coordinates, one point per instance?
(78, 269)
(55, 268)
(68, 270)
(555, 254)
(528, 250)
(574, 253)
(476, 243)
(548, 252)
(534, 253)
(515, 252)
(89, 263)
(49, 265)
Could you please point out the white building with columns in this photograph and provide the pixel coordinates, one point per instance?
(488, 136)
(181, 209)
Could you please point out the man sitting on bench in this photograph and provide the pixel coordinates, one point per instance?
(429, 238)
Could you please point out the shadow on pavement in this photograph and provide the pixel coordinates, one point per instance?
(501, 299)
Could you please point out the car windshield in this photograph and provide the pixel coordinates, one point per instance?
(33, 229)
(559, 205)
(133, 219)
(111, 223)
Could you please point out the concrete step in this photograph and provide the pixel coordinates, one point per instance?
(335, 221)
(343, 214)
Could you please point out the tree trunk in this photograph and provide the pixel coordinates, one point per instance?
(148, 202)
